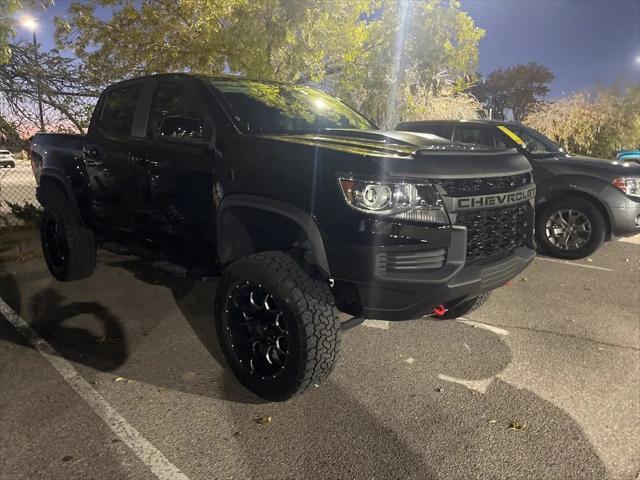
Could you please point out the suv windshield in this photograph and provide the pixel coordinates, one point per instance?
(535, 142)
(259, 107)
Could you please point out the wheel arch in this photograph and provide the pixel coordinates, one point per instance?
(250, 224)
(568, 193)
(53, 183)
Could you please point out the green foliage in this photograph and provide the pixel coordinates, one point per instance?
(599, 124)
(516, 88)
(8, 11)
(376, 55)
(27, 212)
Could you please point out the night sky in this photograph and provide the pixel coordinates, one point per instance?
(582, 41)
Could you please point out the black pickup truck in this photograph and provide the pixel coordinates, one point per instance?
(580, 202)
(300, 205)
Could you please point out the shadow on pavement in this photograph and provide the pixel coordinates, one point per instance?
(378, 416)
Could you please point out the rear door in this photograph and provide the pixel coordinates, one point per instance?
(106, 152)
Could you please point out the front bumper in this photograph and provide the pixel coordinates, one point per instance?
(625, 217)
(404, 296)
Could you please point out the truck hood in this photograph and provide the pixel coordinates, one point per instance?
(372, 143)
(414, 154)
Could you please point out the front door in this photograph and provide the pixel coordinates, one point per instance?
(174, 173)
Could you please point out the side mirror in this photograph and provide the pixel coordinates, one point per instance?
(181, 127)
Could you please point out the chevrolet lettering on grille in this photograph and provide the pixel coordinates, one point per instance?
(496, 199)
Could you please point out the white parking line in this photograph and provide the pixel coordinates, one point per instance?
(159, 465)
(484, 326)
(573, 264)
(635, 240)
(382, 324)
(478, 385)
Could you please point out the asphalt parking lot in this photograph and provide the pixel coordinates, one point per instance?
(541, 382)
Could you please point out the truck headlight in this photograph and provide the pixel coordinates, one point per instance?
(416, 202)
(628, 185)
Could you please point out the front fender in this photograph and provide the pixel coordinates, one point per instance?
(232, 233)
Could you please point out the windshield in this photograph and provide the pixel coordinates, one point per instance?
(535, 142)
(260, 107)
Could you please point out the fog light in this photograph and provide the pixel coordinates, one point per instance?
(638, 220)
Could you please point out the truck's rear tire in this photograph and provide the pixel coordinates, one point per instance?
(570, 228)
(69, 248)
(466, 307)
(278, 327)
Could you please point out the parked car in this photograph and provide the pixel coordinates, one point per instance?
(629, 155)
(580, 201)
(6, 159)
(301, 205)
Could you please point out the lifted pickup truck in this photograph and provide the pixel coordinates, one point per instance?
(302, 206)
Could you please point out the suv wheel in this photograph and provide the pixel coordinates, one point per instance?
(466, 307)
(570, 228)
(278, 327)
(69, 248)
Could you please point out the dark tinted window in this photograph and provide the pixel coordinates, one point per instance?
(178, 111)
(477, 135)
(119, 110)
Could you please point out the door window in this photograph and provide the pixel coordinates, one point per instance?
(480, 136)
(178, 112)
(119, 110)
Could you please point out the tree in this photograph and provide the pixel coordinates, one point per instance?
(376, 55)
(514, 89)
(66, 95)
(595, 124)
(8, 10)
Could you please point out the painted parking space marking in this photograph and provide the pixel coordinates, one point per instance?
(149, 455)
(477, 385)
(635, 240)
(484, 326)
(573, 264)
(381, 324)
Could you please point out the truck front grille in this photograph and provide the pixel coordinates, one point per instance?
(495, 232)
(466, 187)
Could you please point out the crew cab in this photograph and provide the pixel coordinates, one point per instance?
(300, 205)
(581, 201)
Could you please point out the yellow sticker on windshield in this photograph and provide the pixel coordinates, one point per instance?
(511, 135)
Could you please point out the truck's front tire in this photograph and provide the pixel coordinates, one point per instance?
(278, 327)
(69, 248)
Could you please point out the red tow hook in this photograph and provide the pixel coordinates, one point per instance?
(440, 310)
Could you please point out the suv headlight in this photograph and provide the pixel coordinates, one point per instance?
(416, 202)
(628, 185)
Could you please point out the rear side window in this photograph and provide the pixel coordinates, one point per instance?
(119, 110)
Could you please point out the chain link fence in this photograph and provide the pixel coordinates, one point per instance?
(17, 183)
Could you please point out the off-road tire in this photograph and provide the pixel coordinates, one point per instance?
(586, 208)
(466, 307)
(315, 330)
(80, 248)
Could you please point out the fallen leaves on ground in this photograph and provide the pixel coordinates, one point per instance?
(264, 420)
(517, 426)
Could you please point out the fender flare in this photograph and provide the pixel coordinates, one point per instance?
(61, 179)
(303, 219)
